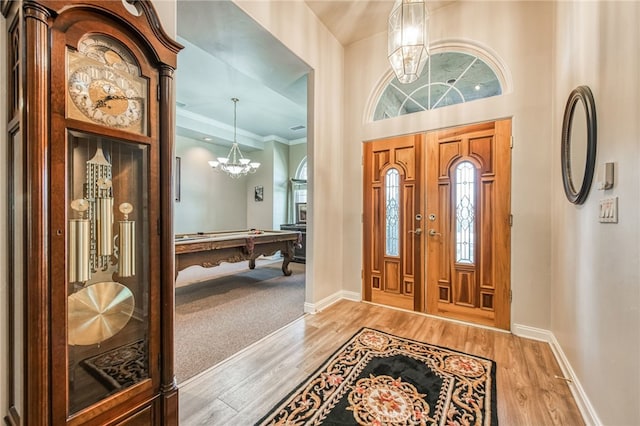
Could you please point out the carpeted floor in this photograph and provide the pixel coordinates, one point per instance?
(218, 317)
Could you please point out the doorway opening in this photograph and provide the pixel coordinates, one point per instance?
(228, 55)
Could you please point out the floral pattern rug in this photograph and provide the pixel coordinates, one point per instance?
(377, 378)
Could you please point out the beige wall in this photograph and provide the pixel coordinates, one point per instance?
(267, 214)
(280, 183)
(518, 34)
(296, 154)
(209, 200)
(595, 280)
(299, 29)
(167, 13)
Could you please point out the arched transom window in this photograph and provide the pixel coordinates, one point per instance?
(448, 78)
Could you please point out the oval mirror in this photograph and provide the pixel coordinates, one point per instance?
(578, 144)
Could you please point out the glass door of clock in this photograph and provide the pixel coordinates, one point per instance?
(107, 267)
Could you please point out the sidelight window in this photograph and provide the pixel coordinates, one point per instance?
(392, 215)
(465, 183)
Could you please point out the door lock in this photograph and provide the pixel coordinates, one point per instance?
(416, 231)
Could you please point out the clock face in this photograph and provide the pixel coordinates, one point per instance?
(104, 85)
(106, 97)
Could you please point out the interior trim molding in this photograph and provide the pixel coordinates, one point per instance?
(312, 308)
(582, 400)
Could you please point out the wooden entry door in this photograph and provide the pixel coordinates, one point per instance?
(469, 234)
(393, 244)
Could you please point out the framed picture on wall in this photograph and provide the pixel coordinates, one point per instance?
(301, 212)
(258, 193)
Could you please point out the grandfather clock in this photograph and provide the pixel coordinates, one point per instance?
(90, 137)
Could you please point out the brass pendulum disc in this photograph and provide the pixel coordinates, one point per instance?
(98, 312)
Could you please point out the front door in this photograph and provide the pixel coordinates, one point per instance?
(393, 260)
(453, 193)
(468, 232)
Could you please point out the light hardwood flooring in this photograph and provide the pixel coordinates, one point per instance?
(242, 389)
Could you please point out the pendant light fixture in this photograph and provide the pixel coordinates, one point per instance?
(408, 44)
(234, 164)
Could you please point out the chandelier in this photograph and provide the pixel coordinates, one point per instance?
(408, 39)
(234, 164)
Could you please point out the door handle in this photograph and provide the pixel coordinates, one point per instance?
(433, 232)
(416, 231)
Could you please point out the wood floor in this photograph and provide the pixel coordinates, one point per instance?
(244, 388)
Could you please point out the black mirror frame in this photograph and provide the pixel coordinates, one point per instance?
(580, 93)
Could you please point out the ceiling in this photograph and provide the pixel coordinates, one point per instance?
(228, 55)
(350, 21)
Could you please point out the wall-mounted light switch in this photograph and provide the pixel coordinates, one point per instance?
(609, 210)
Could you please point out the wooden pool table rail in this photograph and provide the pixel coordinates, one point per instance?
(211, 249)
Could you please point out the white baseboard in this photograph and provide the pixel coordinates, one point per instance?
(312, 308)
(582, 400)
(532, 333)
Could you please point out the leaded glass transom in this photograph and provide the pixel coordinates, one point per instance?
(448, 78)
(465, 183)
(392, 214)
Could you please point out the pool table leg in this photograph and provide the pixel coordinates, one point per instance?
(285, 264)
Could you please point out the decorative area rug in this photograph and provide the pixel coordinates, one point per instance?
(119, 367)
(377, 378)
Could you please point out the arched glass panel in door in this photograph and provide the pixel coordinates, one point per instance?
(465, 202)
(392, 212)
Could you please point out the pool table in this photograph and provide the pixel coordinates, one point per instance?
(209, 249)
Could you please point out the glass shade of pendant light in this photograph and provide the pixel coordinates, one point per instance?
(235, 164)
(408, 44)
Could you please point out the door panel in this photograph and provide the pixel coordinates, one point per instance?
(468, 181)
(393, 259)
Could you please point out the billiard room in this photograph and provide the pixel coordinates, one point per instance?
(240, 262)
(253, 114)
(240, 232)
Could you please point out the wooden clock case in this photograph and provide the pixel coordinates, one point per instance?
(42, 140)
